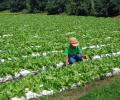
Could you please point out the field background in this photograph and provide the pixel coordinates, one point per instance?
(26, 34)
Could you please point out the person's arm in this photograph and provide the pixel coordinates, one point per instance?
(66, 56)
(80, 50)
(66, 60)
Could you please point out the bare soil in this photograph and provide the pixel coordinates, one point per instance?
(117, 16)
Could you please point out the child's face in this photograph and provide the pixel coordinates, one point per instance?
(73, 45)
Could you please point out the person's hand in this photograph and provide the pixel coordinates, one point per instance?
(67, 62)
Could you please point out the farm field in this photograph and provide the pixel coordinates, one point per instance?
(37, 42)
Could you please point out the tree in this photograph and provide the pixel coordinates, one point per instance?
(4, 4)
(78, 7)
(17, 5)
(30, 5)
(92, 8)
(55, 6)
(41, 5)
(107, 7)
(71, 7)
(114, 8)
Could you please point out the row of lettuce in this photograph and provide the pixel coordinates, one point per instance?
(60, 78)
(27, 32)
(35, 61)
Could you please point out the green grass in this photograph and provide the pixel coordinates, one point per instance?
(110, 91)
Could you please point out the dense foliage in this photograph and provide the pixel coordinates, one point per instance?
(71, 7)
(23, 35)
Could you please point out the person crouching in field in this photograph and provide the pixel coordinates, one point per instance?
(73, 52)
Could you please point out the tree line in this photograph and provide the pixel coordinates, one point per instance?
(70, 7)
